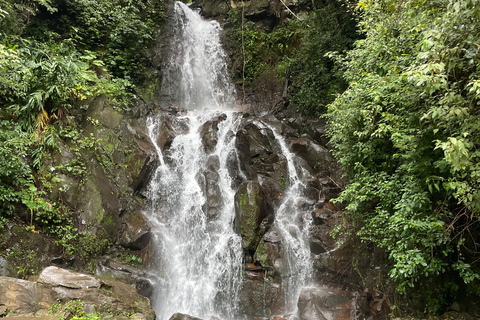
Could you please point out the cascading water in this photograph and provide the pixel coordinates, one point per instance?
(293, 225)
(198, 251)
(196, 77)
(191, 213)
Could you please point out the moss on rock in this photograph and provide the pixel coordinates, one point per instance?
(251, 207)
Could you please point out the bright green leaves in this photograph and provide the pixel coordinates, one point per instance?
(15, 174)
(456, 153)
(407, 133)
(315, 78)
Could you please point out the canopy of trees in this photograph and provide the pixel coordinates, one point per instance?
(407, 132)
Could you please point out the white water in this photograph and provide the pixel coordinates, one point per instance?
(294, 225)
(199, 256)
(198, 65)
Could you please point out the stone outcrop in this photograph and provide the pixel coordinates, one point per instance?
(182, 316)
(324, 303)
(55, 285)
(251, 208)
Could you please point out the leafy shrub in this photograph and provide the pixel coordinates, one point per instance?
(407, 134)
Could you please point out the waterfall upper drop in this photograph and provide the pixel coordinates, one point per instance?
(196, 77)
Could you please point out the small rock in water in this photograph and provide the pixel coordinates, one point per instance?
(182, 316)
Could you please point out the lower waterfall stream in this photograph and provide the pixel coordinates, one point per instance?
(199, 256)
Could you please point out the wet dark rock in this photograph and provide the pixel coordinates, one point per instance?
(212, 188)
(319, 216)
(234, 170)
(316, 246)
(268, 255)
(257, 148)
(317, 156)
(209, 132)
(273, 190)
(144, 177)
(182, 316)
(213, 192)
(324, 303)
(260, 299)
(321, 232)
(136, 232)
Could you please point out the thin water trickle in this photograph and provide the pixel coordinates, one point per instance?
(293, 225)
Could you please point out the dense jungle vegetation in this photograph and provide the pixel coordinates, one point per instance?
(398, 81)
(406, 132)
(55, 57)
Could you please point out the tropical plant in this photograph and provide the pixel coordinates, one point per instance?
(407, 134)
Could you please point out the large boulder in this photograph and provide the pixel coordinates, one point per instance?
(325, 303)
(59, 286)
(136, 232)
(138, 278)
(317, 156)
(182, 316)
(260, 299)
(212, 188)
(269, 253)
(209, 132)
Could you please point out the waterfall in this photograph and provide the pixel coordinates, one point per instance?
(196, 77)
(294, 225)
(198, 255)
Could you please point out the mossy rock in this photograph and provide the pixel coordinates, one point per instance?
(251, 208)
(21, 250)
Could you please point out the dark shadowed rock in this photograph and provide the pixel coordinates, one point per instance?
(212, 187)
(136, 232)
(209, 132)
(324, 303)
(182, 316)
(317, 156)
(260, 299)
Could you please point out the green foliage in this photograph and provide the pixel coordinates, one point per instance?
(134, 260)
(40, 82)
(261, 51)
(25, 261)
(407, 132)
(15, 174)
(315, 78)
(119, 31)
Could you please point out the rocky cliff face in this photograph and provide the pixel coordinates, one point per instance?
(260, 178)
(96, 180)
